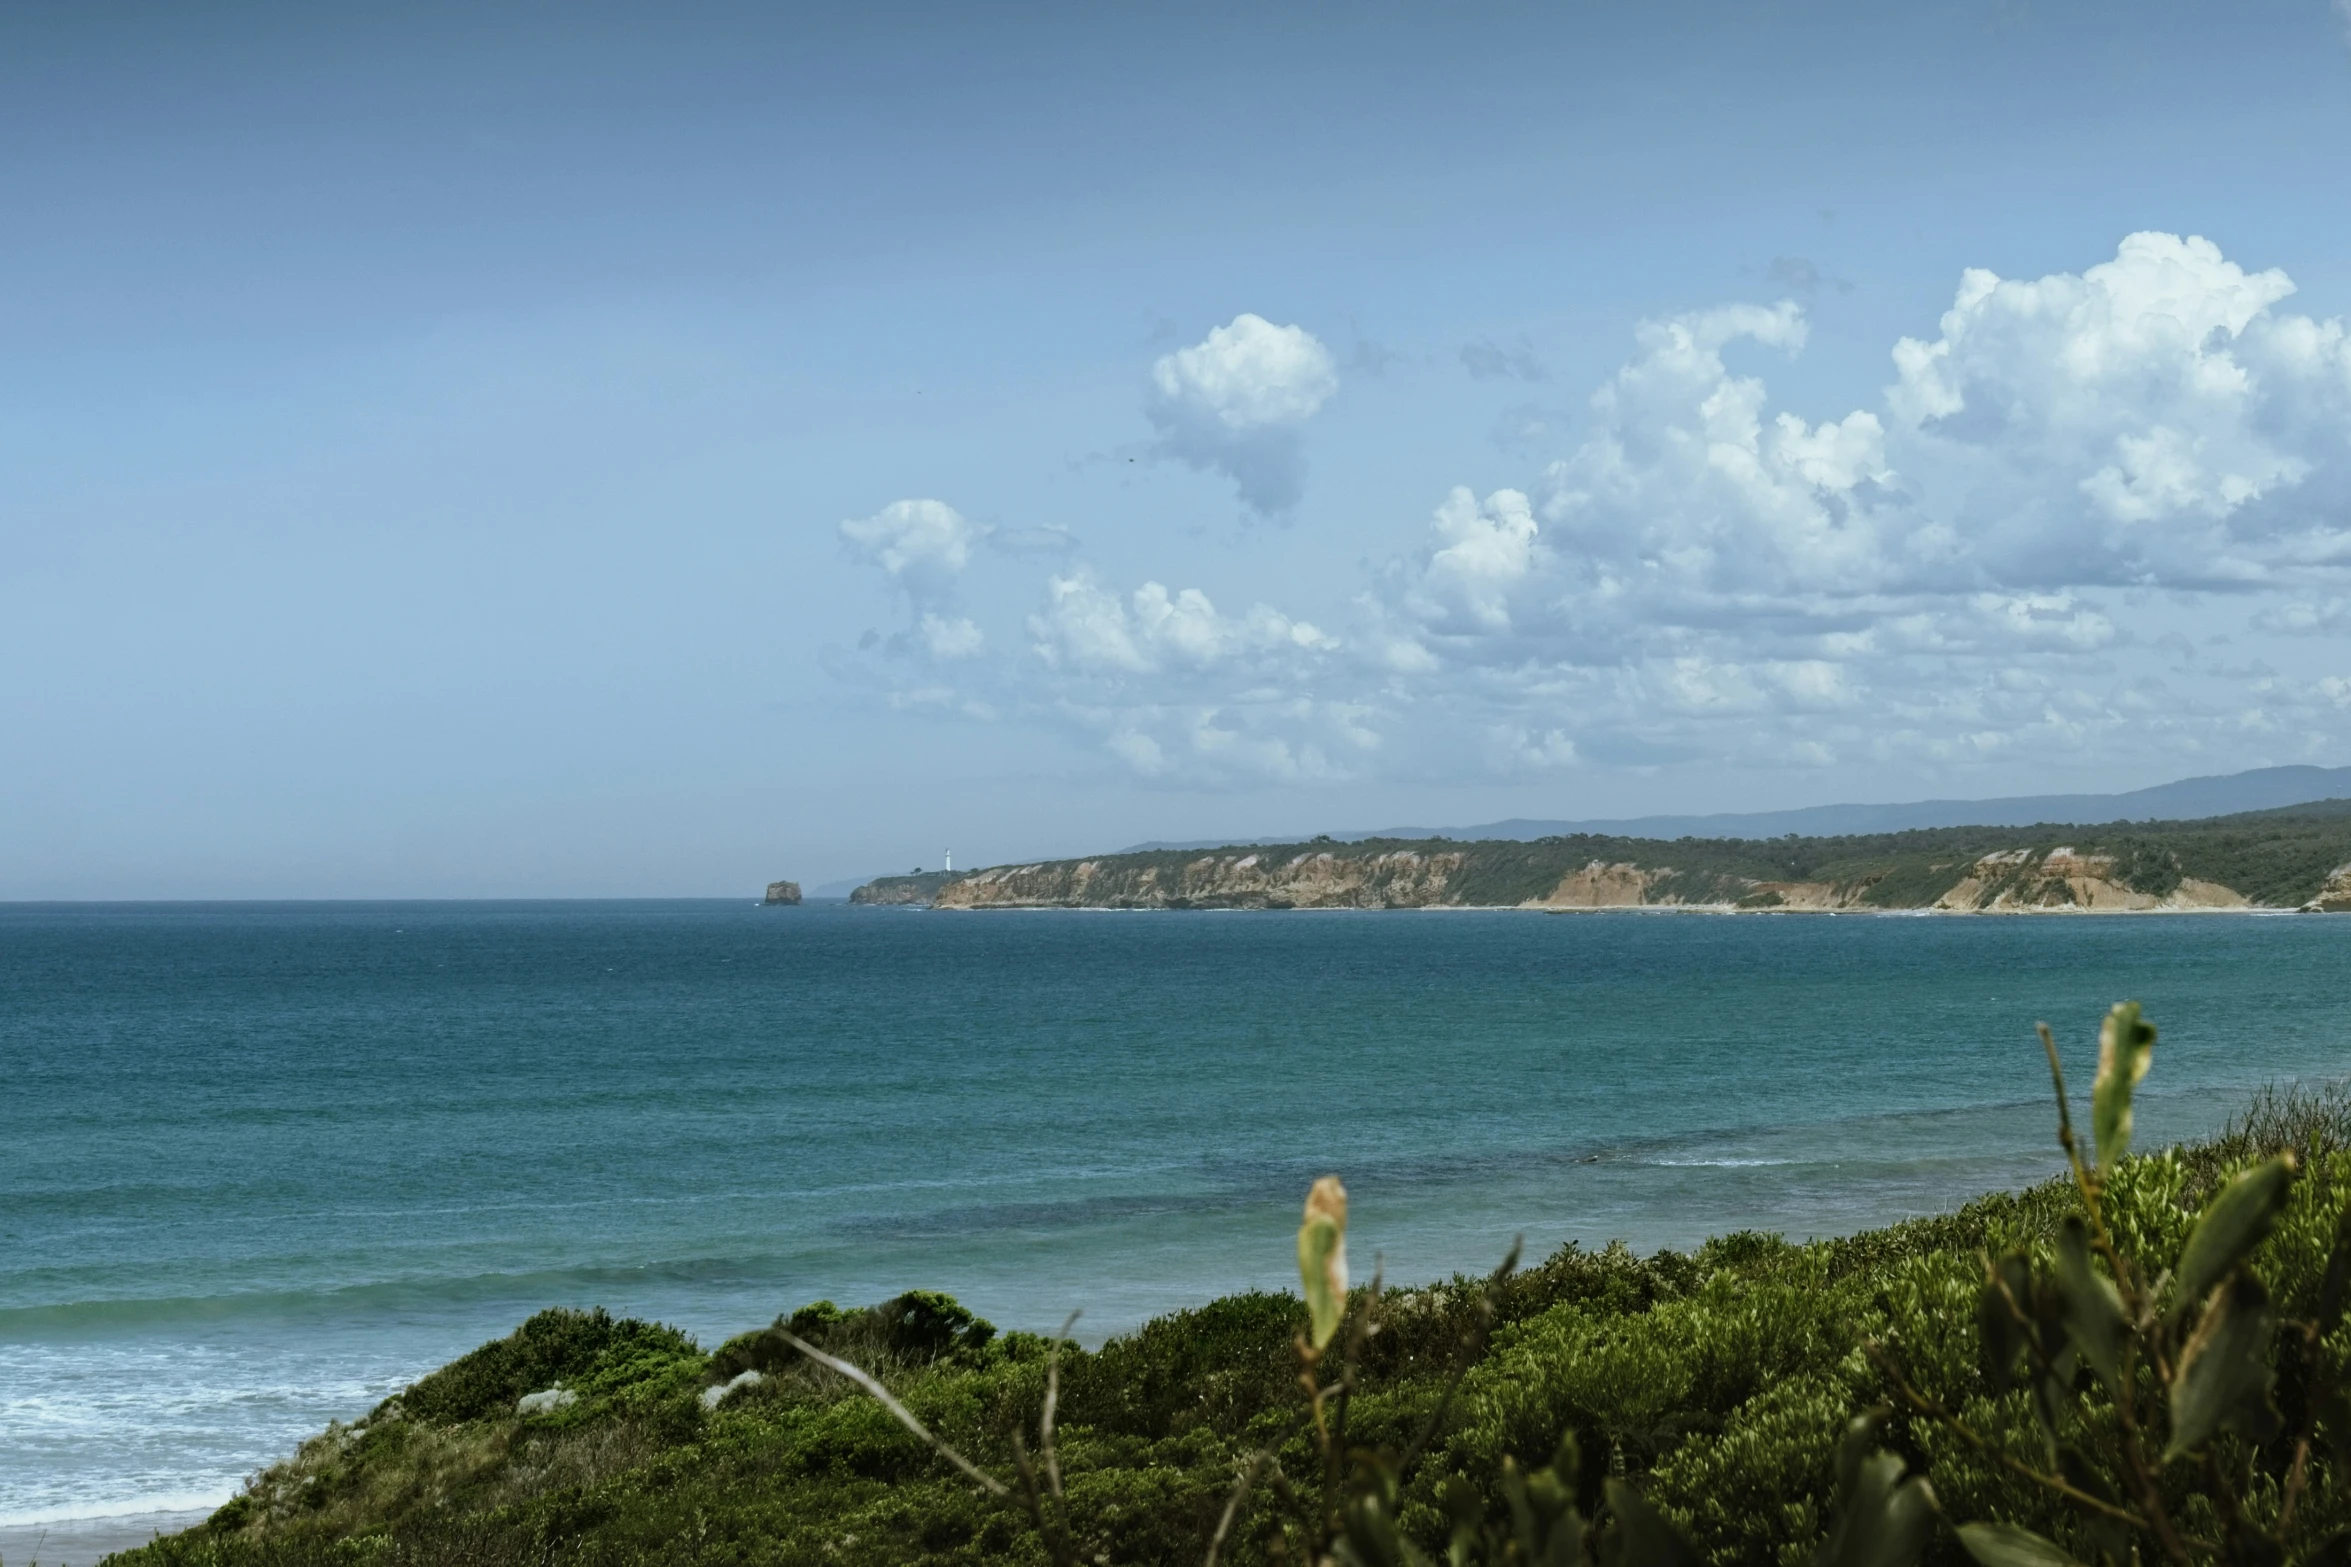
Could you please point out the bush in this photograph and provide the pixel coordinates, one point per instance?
(556, 1346)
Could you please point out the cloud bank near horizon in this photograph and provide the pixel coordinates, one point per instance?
(2076, 501)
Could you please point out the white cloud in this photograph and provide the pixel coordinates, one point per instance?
(1487, 549)
(923, 544)
(2303, 617)
(2153, 419)
(1934, 576)
(1233, 403)
(2037, 540)
(1085, 628)
(952, 639)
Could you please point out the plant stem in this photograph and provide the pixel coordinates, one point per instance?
(905, 1416)
(1232, 1506)
(1984, 1445)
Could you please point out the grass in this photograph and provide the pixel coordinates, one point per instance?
(1718, 1381)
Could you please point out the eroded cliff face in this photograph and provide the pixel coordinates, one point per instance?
(2019, 881)
(2015, 881)
(2335, 896)
(1601, 886)
(1230, 879)
(913, 891)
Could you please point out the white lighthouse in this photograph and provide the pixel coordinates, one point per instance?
(946, 859)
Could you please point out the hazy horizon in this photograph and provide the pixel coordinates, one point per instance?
(469, 451)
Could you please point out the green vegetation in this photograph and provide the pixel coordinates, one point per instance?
(2275, 859)
(917, 887)
(2143, 1360)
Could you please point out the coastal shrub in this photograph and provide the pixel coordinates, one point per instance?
(554, 1346)
(903, 1333)
(1220, 1365)
(1753, 1490)
(1638, 1384)
(2309, 1119)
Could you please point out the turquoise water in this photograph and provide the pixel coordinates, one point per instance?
(260, 1165)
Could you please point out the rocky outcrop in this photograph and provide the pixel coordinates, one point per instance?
(1623, 885)
(2008, 881)
(718, 1394)
(915, 890)
(2021, 881)
(1601, 886)
(2268, 860)
(782, 892)
(2335, 896)
(1229, 879)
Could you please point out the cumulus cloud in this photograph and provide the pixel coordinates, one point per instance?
(923, 544)
(1937, 574)
(1234, 403)
(1086, 628)
(2028, 543)
(1173, 687)
(2152, 420)
(1485, 550)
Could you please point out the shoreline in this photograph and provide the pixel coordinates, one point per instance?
(1607, 908)
(86, 1539)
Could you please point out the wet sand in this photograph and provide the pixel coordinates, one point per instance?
(80, 1542)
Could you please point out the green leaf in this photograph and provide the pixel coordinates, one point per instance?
(2110, 1537)
(2126, 1048)
(2093, 1311)
(1885, 1520)
(1371, 1537)
(2223, 1380)
(2001, 1335)
(2238, 1219)
(2332, 1293)
(2006, 1545)
(2333, 1551)
(1322, 1258)
(1638, 1535)
(1523, 1528)
(1855, 1446)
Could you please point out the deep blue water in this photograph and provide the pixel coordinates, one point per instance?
(260, 1165)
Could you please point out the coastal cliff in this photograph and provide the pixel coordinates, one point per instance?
(2298, 858)
(915, 890)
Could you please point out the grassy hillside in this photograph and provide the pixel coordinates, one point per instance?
(1715, 1383)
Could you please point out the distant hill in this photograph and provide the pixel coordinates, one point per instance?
(2287, 857)
(2189, 799)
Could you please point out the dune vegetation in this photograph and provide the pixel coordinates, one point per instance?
(2142, 1360)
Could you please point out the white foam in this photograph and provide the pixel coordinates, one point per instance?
(158, 1503)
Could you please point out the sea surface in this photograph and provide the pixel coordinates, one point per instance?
(261, 1165)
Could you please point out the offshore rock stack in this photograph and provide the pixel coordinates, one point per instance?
(782, 892)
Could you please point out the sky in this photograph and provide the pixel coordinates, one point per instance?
(596, 450)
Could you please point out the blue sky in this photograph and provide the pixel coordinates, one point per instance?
(628, 450)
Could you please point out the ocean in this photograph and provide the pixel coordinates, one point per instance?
(261, 1165)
